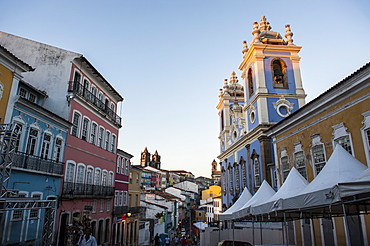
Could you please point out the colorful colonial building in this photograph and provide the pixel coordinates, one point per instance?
(78, 93)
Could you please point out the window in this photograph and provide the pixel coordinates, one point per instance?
(257, 178)
(104, 178)
(279, 76)
(118, 165)
(58, 150)
(137, 179)
(237, 178)
(342, 137)
(93, 94)
(70, 172)
(223, 180)
(45, 146)
(76, 124)
(94, 127)
(101, 205)
(107, 139)
(97, 177)
(127, 167)
(108, 205)
(136, 200)
(124, 199)
(76, 80)
(110, 179)
(89, 175)
(94, 206)
(244, 174)
(17, 215)
(366, 134)
(18, 140)
(80, 174)
(318, 153)
(250, 82)
(300, 163)
(32, 98)
(32, 140)
(285, 166)
(116, 198)
(22, 92)
(86, 93)
(85, 129)
(100, 137)
(345, 143)
(34, 213)
(130, 177)
(113, 144)
(231, 183)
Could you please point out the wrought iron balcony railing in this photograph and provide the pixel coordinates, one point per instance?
(119, 210)
(36, 163)
(85, 93)
(74, 190)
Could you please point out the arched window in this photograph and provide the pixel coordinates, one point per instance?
(250, 83)
(89, 175)
(80, 174)
(279, 75)
(46, 143)
(76, 124)
(32, 141)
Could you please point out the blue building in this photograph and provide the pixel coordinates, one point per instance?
(271, 90)
(37, 171)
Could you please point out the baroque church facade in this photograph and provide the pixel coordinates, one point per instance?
(270, 90)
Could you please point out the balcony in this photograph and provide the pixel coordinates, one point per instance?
(119, 210)
(76, 190)
(79, 89)
(36, 163)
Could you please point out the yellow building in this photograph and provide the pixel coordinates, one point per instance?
(11, 69)
(212, 191)
(133, 218)
(306, 139)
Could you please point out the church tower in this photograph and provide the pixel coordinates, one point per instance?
(270, 89)
(145, 158)
(156, 160)
(271, 74)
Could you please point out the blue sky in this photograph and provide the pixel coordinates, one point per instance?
(168, 58)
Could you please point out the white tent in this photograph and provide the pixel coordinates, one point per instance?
(243, 199)
(358, 185)
(341, 167)
(200, 225)
(292, 186)
(264, 193)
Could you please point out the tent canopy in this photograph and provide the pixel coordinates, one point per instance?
(242, 200)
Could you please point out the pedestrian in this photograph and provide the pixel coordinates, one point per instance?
(87, 239)
(167, 241)
(156, 240)
(176, 240)
(189, 241)
(183, 241)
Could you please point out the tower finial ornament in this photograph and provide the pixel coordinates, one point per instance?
(288, 35)
(256, 33)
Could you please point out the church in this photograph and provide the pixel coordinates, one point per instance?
(270, 89)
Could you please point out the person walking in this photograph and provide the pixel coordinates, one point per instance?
(183, 241)
(167, 241)
(156, 240)
(87, 239)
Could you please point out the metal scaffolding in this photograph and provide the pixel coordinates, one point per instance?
(9, 200)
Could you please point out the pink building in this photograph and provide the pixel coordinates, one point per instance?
(121, 206)
(156, 180)
(90, 154)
